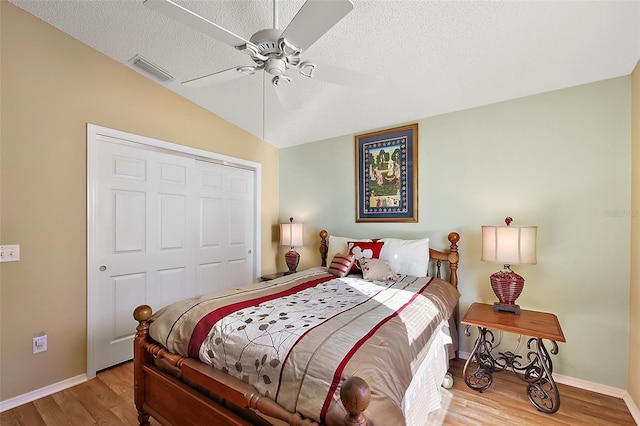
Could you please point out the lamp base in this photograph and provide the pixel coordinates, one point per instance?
(292, 258)
(507, 286)
(502, 307)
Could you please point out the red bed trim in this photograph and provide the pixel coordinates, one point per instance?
(201, 330)
(354, 349)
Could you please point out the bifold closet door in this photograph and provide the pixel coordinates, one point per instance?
(167, 227)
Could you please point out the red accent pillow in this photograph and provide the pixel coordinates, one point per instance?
(341, 264)
(368, 249)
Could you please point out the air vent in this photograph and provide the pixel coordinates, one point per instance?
(150, 68)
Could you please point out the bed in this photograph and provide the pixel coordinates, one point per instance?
(315, 347)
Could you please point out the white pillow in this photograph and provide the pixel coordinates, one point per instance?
(338, 245)
(406, 257)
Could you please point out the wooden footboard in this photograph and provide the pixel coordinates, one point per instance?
(181, 398)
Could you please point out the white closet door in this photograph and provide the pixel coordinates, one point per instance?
(225, 257)
(165, 227)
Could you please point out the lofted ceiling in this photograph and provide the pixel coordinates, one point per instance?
(429, 57)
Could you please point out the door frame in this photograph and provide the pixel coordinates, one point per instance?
(97, 134)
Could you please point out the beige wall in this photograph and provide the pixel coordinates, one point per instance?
(634, 295)
(52, 86)
(558, 160)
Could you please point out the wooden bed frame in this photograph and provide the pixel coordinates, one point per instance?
(186, 391)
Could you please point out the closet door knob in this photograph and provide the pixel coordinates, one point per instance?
(103, 268)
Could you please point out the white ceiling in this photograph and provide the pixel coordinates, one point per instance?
(433, 57)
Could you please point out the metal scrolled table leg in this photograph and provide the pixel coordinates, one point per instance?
(478, 370)
(541, 388)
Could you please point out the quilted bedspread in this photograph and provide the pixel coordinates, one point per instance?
(297, 338)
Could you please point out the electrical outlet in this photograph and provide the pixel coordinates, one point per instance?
(10, 253)
(39, 344)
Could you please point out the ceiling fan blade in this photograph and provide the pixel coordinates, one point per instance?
(197, 22)
(215, 78)
(345, 77)
(287, 96)
(315, 18)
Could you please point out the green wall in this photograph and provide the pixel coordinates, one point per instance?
(559, 160)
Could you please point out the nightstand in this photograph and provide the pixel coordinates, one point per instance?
(270, 277)
(536, 369)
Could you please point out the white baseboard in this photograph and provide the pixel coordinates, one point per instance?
(590, 386)
(42, 392)
(593, 387)
(633, 408)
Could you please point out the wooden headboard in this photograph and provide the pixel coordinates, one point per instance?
(439, 256)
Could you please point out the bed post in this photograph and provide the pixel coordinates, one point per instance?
(453, 238)
(142, 315)
(355, 396)
(323, 247)
(454, 257)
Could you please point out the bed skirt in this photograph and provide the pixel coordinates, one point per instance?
(423, 394)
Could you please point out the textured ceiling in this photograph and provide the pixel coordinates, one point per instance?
(431, 57)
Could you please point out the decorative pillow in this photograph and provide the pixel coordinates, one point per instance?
(339, 245)
(406, 257)
(376, 270)
(341, 264)
(362, 249)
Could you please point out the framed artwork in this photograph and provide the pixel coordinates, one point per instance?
(387, 175)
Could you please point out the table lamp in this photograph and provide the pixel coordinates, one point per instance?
(291, 235)
(509, 245)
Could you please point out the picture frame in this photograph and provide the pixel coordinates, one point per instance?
(387, 175)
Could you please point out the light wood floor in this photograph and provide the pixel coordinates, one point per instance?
(108, 400)
(505, 403)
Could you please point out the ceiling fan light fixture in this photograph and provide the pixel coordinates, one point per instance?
(275, 66)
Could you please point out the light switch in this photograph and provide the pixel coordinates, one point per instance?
(10, 253)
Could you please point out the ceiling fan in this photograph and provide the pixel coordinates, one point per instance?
(275, 51)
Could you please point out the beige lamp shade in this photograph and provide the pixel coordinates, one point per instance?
(291, 234)
(509, 245)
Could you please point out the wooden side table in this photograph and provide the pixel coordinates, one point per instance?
(538, 371)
